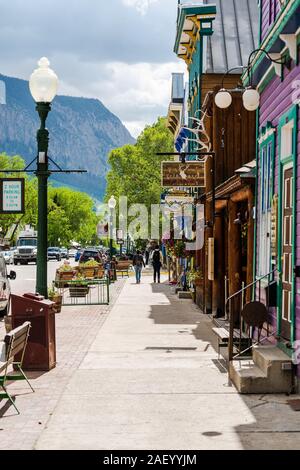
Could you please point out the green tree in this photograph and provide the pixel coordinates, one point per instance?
(136, 169)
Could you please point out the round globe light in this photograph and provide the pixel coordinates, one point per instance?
(223, 99)
(112, 203)
(251, 99)
(43, 83)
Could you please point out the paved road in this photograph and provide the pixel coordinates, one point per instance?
(26, 276)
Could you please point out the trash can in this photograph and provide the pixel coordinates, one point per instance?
(41, 348)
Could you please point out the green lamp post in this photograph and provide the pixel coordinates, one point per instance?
(112, 205)
(43, 86)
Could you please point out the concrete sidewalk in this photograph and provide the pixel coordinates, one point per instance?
(149, 379)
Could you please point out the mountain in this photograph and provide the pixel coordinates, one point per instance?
(82, 133)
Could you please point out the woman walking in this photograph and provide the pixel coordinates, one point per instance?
(138, 263)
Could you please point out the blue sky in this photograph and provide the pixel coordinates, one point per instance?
(120, 51)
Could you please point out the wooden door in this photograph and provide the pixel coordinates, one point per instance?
(287, 253)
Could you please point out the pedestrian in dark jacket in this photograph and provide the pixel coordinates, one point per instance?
(138, 263)
(157, 262)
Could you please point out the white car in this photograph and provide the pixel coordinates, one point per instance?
(8, 257)
(72, 252)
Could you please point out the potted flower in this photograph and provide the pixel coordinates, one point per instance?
(55, 297)
(65, 273)
(195, 277)
(90, 269)
(79, 287)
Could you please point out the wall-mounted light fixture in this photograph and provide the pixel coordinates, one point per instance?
(251, 97)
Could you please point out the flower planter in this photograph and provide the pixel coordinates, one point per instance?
(99, 272)
(62, 277)
(79, 291)
(87, 272)
(57, 299)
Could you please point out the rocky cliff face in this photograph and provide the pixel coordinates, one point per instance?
(82, 133)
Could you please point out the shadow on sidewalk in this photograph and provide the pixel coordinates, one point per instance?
(182, 312)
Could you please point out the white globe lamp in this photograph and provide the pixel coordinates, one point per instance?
(112, 203)
(43, 82)
(251, 99)
(223, 99)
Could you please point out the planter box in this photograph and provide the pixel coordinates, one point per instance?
(79, 291)
(90, 272)
(57, 299)
(99, 272)
(62, 278)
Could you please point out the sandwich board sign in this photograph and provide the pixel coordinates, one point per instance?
(12, 195)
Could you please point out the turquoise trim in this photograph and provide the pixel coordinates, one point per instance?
(292, 114)
(256, 200)
(263, 147)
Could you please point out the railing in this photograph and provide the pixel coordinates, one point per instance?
(88, 292)
(237, 337)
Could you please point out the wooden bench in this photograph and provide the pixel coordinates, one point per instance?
(12, 351)
(223, 338)
(123, 267)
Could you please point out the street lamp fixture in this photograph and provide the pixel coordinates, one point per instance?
(251, 97)
(112, 203)
(43, 86)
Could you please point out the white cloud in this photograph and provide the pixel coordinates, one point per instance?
(141, 6)
(136, 93)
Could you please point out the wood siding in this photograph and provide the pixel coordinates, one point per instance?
(276, 100)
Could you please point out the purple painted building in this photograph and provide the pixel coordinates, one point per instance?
(278, 162)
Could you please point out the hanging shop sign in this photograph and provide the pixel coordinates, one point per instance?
(179, 200)
(12, 195)
(187, 175)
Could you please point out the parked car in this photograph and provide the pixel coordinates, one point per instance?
(54, 253)
(5, 286)
(8, 257)
(64, 252)
(78, 254)
(90, 254)
(72, 252)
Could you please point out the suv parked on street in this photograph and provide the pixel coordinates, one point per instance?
(64, 252)
(54, 253)
(90, 254)
(5, 287)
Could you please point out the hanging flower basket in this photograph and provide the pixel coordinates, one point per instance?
(79, 290)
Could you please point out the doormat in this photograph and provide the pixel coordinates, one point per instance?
(294, 404)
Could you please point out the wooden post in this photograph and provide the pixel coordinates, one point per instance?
(208, 232)
(234, 257)
(250, 245)
(218, 284)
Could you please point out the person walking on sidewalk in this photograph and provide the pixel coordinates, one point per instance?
(157, 262)
(138, 263)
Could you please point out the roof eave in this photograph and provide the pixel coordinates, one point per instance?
(191, 10)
